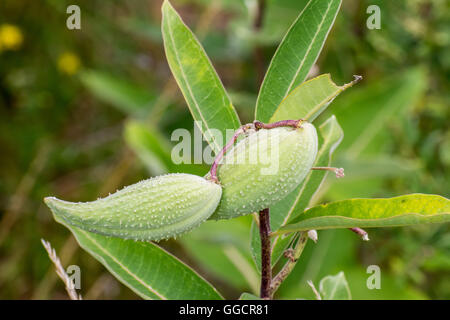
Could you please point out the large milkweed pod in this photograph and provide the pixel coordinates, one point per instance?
(153, 209)
(284, 157)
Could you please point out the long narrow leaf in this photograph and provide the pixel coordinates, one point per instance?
(197, 79)
(392, 212)
(145, 268)
(309, 99)
(296, 54)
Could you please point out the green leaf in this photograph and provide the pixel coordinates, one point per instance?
(309, 99)
(335, 288)
(145, 268)
(330, 136)
(123, 95)
(249, 296)
(197, 79)
(391, 212)
(295, 55)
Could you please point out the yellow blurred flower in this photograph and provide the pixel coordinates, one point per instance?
(69, 63)
(11, 37)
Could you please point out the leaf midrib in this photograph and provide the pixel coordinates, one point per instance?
(435, 215)
(123, 267)
(187, 83)
(309, 48)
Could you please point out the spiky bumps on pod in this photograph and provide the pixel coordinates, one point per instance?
(245, 188)
(153, 209)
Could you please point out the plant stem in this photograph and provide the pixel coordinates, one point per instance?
(260, 10)
(219, 157)
(61, 272)
(282, 123)
(361, 232)
(266, 266)
(292, 255)
(338, 171)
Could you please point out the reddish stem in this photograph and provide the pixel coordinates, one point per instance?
(361, 232)
(266, 266)
(255, 125)
(282, 123)
(339, 172)
(230, 143)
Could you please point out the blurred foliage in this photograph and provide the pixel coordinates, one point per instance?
(84, 112)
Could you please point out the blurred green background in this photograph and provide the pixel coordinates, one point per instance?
(85, 112)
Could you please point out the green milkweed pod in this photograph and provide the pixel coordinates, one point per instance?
(285, 156)
(153, 209)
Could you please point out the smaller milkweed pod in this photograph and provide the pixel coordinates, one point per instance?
(264, 168)
(153, 209)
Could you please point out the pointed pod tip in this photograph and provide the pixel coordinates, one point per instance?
(49, 200)
(52, 202)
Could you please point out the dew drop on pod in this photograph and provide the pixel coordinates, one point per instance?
(153, 209)
(265, 167)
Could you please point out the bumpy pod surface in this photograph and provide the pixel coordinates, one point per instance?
(153, 209)
(285, 156)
